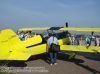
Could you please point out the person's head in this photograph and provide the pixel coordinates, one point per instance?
(19, 32)
(68, 35)
(51, 34)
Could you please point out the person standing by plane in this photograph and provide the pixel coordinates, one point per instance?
(52, 55)
(74, 40)
(88, 41)
(97, 41)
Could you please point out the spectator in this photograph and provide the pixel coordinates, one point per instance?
(27, 35)
(88, 41)
(75, 40)
(52, 55)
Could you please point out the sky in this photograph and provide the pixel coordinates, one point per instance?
(16, 14)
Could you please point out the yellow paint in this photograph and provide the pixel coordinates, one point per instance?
(80, 48)
(7, 39)
(36, 28)
(12, 48)
(82, 29)
(64, 29)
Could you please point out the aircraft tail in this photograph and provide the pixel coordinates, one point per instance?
(7, 39)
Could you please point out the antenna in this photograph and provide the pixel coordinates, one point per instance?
(66, 24)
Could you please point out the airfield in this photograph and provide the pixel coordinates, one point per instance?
(39, 65)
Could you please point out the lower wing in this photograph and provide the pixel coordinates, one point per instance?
(91, 49)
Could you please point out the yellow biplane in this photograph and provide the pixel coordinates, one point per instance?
(12, 48)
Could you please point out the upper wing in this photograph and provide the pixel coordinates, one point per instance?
(61, 28)
(35, 28)
(82, 29)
